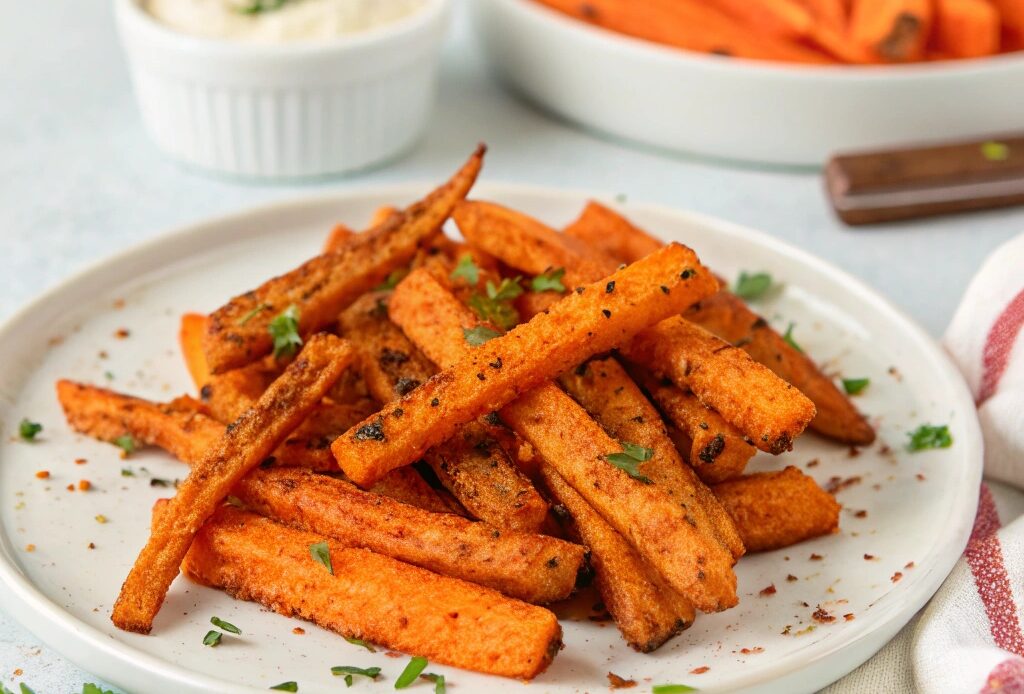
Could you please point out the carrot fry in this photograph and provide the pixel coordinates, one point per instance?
(692, 25)
(340, 236)
(237, 333)
(895, 30)
(778, 509)
(773, 413)
(686, 553)
(1011, 15)
(966, 28)
(582, 324)
(786, 19)
(728, 317)
(529, 567)
(190, 337)
(372, 597)
(244, 445)
(717, 450)
(610, 396)
(470, 465)
(647, 612)
(829, 13)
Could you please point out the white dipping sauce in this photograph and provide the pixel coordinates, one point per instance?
(294, 20)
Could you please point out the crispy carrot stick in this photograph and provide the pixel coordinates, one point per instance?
(778, 509)
(895, 30)
(237, 333)
(685, 551)
(340, 236)
(602, 228)
(470, 465)
(692, 25)
(372, 597)
(1011, 14)
(586, 322)
(966, 28)
(244, 445)
(647, 612)
(786, 19)
(534, 568)
(610, 396)
(190, 337)
(830, 13)
(717, 450)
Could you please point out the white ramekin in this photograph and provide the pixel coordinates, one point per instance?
(289, 110)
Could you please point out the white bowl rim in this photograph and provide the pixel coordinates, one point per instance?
(136, 18)
(644, 49)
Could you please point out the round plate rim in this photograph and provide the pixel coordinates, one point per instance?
(27, 604)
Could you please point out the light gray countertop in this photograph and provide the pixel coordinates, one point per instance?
(80, 180)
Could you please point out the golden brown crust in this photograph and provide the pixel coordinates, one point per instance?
(245, 444)
(560, 432)
(778, 509)
(320, 288)
(529, 567)
(610, 396)
(717, 450)
(771, 412)
(646, 612)
(373, 597)
(471, 465)
(606, 230)
(494, 373)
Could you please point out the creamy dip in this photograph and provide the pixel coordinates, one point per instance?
(277, 21)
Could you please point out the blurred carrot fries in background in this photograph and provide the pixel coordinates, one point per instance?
(815, 31)
(437, 439)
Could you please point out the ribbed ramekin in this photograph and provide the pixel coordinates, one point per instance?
(289, 110)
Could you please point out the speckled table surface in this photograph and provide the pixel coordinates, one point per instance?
(81, 181)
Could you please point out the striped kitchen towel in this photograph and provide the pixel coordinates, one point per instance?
(969, 638)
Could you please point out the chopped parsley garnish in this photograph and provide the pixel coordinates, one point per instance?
(479, 335)
(855, 386)
(438, 680)
(788, 337)
(672, 689)
(90, 688)
(321, 552)
(927, 436)
(285, 331)
(253, 313)
(349, 671)
(25, 689)
(27, 430)
(287, 687)
(550, 281)
(212, 638)
(496, 305)
(393, 278)
(752, 286)
(160, 482)
(127, 472)
(126, 443)
(629, 460)
(995, 151)
(467, 270)
(258, 7)
(226, 626)
(411, 672)
(359, 642)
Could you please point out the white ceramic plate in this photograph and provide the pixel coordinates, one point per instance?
(744, 110)
(919, 507)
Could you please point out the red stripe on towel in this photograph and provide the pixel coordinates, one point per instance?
(998, 345)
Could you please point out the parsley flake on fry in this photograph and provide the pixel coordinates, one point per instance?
(27, 430)
(226, 626)
(629, 460)
(479, 335)
(411, 672)
(126, 443)
(550, 281)
(466, 269)
(393, 278)
(321, 552)
(855, 386)
(752, 286)
(788, 337)
(252, 314)
(927, 436)
(285, 331)
(495, 306)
